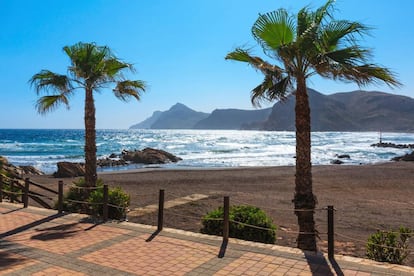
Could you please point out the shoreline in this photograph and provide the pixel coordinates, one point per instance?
(366, 197)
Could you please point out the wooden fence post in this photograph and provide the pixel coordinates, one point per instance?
(60, 197)
(12, 191)
(105, 202)
(331, 241)
(25, 195)
(1, 188)
(160, 211)
(226, 218)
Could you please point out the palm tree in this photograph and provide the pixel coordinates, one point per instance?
(92, 68)
(309, 43)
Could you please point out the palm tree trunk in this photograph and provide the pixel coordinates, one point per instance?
(304, 199)
(90, 139)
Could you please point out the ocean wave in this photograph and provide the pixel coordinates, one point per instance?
(198, 148)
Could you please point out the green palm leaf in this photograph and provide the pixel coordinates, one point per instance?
(127, 89)
(274, 29)
(49, 103)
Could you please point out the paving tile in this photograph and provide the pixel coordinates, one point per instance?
(12, 220)
(58, 271)
(10, 262)
(161, 256)
(253, 263)
(66, 236)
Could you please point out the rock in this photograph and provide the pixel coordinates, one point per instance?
(392, 145)
(68, 169)
(149, 156)
(3, 160)
(108, 162)
(407, 157)
(30, 170)
(17, 171)
(113, 155)
(343, 156)
(336, 162)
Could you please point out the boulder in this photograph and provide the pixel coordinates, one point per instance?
(108, 162)
(336, 162)
(30, 170)
(343, 156)
(149, 156)
(68, 169)
(407, 157)
(18, 172)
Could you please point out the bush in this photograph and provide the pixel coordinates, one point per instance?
(239, 217)
(389, 246)
(116, 197)
(94, 198)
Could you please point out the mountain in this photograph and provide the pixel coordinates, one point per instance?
(233, 119)
(147, 123)
(178, 116)
(351, 111)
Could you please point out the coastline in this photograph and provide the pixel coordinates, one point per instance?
(366, 197)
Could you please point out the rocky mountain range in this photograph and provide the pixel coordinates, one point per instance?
(350, 111)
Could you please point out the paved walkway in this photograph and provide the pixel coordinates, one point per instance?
(38, 242)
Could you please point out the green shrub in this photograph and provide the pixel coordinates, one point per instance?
(240, 216)
(94, 198)
(116, 197)
(389, 246)
(77, 193)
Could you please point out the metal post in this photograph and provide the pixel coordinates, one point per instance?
(160, 211)
(226, 218)
(105, 203)
(25, 195)
(60, 197)
(331, 232)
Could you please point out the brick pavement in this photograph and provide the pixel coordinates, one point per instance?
(38, 242)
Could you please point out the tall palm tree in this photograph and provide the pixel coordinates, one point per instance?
(309, 43)
(92, 68)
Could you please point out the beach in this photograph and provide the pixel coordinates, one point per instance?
(366, 198)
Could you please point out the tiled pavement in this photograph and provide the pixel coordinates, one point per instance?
(38, 242)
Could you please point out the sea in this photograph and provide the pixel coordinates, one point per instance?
(43, 148)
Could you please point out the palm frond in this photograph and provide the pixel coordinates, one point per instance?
(270, 90)
(126, 89)
(114, 66)
(46, 80)
(340, 33)
(51, 102)
(256, 62)
(273, 29)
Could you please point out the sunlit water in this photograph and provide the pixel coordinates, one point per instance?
(198, 148)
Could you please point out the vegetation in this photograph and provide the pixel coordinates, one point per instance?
(92, 68)
(77, 201)
(306, 44)
(242, 218)
(389, 246)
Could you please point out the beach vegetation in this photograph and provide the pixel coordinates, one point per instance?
(92, 68)
(311, 42)
(389, 246)
(246, 223)
(77, 201)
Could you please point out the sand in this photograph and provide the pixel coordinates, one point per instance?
(367, 198)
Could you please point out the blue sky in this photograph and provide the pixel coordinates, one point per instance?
(178, 48)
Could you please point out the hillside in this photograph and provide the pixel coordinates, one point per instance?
(351, 111)
(178, 116)
(233, 119)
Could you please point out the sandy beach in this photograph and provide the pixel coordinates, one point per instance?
(367, 198)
